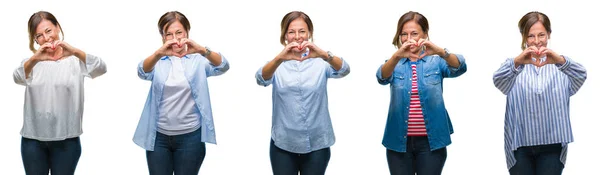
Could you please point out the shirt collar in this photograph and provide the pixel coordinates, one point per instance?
(168, 57)
(406, 60)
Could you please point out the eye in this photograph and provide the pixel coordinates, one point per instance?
(302, 32)
(403, 34)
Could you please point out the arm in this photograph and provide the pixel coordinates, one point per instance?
(264, 75)
(505, 76)
(221, 68)
(576, 72)
(213, 57)
(339, 68)
(453, 61)
(150, 61)
(93, 65)
(22, 75)
(449, 70)
(379, 74)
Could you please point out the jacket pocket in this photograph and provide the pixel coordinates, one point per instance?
(433, 77)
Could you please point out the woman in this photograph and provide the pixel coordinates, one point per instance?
(53, 79)
(177, 117)
(302, 132)
(538, 84)
(418, 127)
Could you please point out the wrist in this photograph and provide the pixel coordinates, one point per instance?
(205, 52)
(328, 56)
(444, 53)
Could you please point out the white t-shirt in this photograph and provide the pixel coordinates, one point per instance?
(178, 112)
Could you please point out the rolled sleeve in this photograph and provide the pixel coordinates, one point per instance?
(462, 67)
(260, 80)
(380, 78)
(145, 75)
(212, 70)
(345, 70)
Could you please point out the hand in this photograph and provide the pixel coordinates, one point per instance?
(530, 53)
(551, 57)
(44, 53)
(404, 50)
(429, 48)
(288, 52)
(167, 49)
(313, 51)
(67, 50)
(190, 46)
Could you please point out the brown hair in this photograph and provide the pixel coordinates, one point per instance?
(33, 23)
(287, 20)
(410, 16)
(169, 18)
(529, 20)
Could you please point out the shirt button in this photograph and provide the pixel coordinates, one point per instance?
(404, 136)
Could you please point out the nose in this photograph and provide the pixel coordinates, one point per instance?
(47, 37)
(296, 36)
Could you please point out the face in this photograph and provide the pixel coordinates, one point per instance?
(297, 32)
(46, 32)
(412, 31)
(176, 31)
(538, 36)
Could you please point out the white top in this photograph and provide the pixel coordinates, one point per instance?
(53, 106)
(177, 113)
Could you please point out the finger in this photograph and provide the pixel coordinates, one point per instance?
(412, 41)
(421, 42)
(45, 46)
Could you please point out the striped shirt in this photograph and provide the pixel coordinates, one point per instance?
(416, 123)
(537, 104)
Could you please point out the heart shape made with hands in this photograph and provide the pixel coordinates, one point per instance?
(179, 44)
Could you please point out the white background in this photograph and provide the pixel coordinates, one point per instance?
(247, 34)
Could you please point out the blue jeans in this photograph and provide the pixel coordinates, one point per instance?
(180, 154)
(58, 157)
(541, 159)
(418, 158)
(288, 163)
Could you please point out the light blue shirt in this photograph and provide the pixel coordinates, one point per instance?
(431, 71)
(537, 104)
(196, 68)
(301, 122)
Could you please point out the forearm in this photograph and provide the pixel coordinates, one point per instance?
(28, 66)
(452, 61)
(80, 54)
(151, 61)
(269, 69)
(388, 67)
(336, 63)
(213, 57)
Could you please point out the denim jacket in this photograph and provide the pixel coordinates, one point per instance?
(431, 70)
(196, 68)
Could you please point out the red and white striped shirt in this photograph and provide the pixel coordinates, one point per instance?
(416, 123)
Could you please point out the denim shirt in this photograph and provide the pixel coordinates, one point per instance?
(196, 68)
(301, 122)
(431, 70)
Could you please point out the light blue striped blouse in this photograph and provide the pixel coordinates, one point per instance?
(537, 104)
